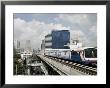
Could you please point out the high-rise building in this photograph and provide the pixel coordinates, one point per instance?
(28, 45)
(57, 39)
(43, 45)
(15, 44)
(18, 44)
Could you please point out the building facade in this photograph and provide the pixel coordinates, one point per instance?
(57, 39)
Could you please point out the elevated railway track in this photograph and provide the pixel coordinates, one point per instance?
(64, 67)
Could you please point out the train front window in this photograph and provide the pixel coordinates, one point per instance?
(91, 53)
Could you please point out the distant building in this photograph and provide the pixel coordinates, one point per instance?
(22, 49)
(17, 46)
(57, 39)
(28, 45)
(43, 45)
(26, 54)
(75, 44)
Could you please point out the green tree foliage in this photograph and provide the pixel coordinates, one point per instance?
(19, 68)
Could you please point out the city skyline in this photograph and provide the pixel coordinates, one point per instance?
(34, 27)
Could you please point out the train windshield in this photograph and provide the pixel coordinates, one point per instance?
(91, 53)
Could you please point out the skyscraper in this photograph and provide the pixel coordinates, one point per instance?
(28, 45)
(43, 45)
(18, 44)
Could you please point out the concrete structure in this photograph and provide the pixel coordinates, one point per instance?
(70, 68)
(37, 64)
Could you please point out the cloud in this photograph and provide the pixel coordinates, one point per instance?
(33, 30)
(82, 25)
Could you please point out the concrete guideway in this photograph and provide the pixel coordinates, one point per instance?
(61, 68)
(36, 63)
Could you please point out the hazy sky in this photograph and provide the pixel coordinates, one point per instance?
(35, 26)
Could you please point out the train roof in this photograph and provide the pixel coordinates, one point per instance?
(82, 48)
(76, 49)
(87, 47)
(57, 49)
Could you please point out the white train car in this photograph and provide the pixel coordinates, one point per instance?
(84, 55)
(61, 53)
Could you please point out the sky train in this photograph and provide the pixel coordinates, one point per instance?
(85, 55)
